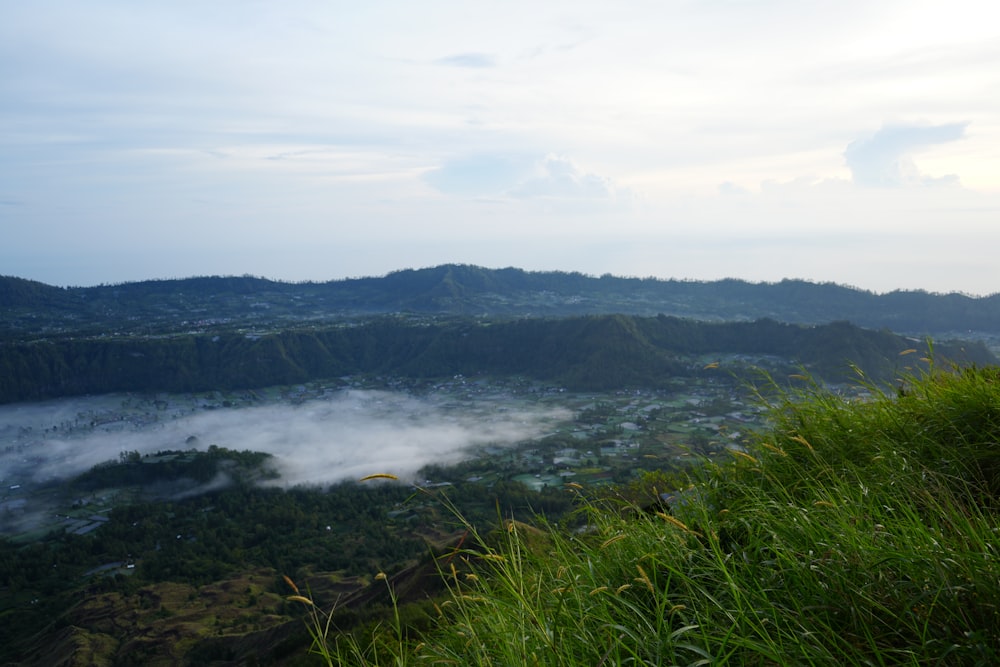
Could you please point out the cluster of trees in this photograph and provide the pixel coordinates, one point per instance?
(131, 469)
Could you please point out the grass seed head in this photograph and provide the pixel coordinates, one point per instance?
(674, 521)
(802, 441)
(611, 540)
(777, 450)
(743, 455)
(378, 475)
(644, 578)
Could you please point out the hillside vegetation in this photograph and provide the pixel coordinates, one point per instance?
(580, 353)
(850, 533)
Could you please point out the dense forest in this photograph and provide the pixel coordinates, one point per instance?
(585, 353)
(143, 547)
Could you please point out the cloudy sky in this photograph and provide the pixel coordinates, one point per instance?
(851, 141)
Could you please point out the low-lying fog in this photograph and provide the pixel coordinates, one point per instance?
(344, 435)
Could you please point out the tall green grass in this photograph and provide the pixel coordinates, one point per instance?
(850, 533)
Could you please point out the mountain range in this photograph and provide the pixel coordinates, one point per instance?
(567, 329)
(29, 307)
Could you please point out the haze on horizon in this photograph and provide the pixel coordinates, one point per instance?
(851, 142)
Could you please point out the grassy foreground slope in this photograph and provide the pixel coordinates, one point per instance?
(851, 533)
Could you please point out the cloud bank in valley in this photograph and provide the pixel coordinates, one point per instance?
(347, 436)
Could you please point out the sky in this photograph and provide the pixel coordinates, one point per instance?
(854, 142)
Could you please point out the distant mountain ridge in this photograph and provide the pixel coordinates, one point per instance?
(457, 289)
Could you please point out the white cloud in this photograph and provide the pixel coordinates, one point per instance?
(479, 175)
(522, 177)
(558, 177)
(473, 60)
(883, 159)
(730, 188)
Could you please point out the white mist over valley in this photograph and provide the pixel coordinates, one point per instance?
(320, 439)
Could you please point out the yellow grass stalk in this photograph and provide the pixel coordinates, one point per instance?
(802, 441)
(774, 448)
(743, 455)
(612, 540)
(291, 584)
(678, 523)
(644, 578)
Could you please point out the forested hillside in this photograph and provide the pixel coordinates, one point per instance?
(587, 353)
(213, 302)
